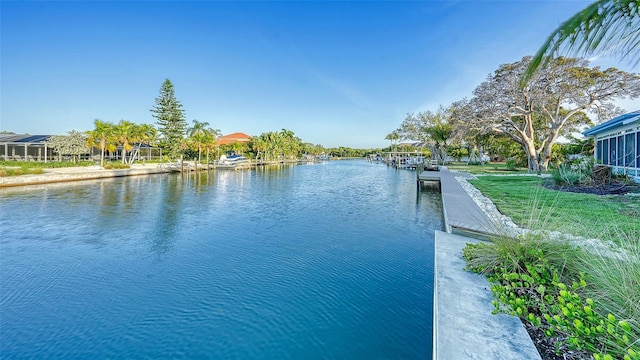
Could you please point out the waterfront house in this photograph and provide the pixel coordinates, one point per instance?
(617, 144)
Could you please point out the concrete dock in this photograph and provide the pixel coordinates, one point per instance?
(462, 215)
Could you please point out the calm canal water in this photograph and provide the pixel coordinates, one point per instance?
(330, 260)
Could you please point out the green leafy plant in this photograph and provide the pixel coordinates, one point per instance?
(564, 175)
(529, 275)
(511, 164)
(578, 171)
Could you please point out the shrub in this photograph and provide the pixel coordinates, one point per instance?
(115, 165)
(565, 175)
(511, 164)
(580, 170)
(529, 276)
(3, 172)
(614, 282)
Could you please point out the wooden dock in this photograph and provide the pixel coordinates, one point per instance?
(461, 214)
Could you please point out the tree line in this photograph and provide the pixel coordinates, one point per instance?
(177, 139)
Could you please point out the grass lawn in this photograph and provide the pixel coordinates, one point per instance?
(489, 168)
(17, 168)
(46, 165)
(531, 205)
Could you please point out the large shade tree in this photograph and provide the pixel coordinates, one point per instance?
(467, 132)
(73, 144)
(553, 103)
(171, 121)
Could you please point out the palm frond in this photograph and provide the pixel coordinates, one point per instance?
(606, 26)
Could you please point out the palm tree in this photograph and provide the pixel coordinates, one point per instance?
(100, 136)
(274, 141)
(393, 137)
(210, 142)
(126, 136)
(199, 134)
(148, 134)
(605, 25)
(440, 133)
(215, 135)
(258, 145)
(141, 134)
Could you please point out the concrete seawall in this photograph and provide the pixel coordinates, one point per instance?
(80, 173)
(463, 325)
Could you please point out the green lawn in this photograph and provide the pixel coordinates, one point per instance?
(46, 165)
(17, 168)
(489, 168)
(531, 205)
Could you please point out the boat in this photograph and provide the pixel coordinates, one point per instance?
(232, 162)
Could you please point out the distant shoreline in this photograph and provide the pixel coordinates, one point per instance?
(68, 174)
(80, 173)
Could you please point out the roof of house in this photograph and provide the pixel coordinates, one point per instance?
(23, 138)
(233, 138)
(613, 123)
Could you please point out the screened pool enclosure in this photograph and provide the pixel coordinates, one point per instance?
(22, 147)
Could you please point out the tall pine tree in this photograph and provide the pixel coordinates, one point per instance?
(172, 124)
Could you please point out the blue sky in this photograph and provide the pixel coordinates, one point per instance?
(336, 73)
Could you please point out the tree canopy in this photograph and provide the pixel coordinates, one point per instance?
(201, 136)
(432, 129)
(554, 102)
(74, 144)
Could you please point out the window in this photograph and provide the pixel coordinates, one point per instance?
(599, 151)
(612, 153)
(620, 154)
(629, 149)
(605, 152)
(638, 150)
